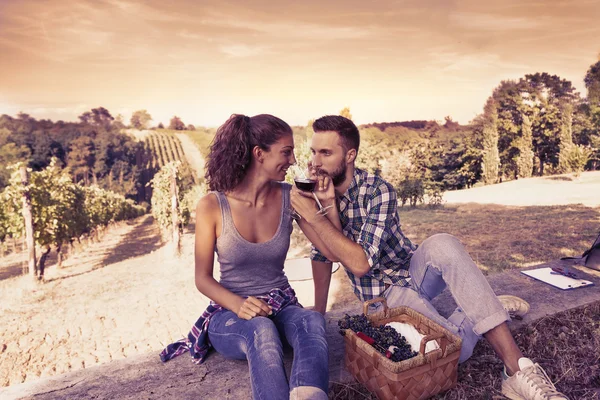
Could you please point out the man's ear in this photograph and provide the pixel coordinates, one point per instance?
(350, 156)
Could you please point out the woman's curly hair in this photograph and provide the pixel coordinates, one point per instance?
(231, 149)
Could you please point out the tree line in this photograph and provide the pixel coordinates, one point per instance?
(537, 125)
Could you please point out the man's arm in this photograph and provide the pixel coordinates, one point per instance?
(315, 239)
(328, 237)
(358, 257)
(322, 279)
(349, 253)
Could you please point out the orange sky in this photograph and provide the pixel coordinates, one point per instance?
(204, 60)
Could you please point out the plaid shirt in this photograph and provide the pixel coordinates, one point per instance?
(197, 342)
(369, 216)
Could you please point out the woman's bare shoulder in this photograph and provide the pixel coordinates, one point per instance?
(208, 205)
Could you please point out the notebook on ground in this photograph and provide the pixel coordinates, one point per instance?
(560, 281)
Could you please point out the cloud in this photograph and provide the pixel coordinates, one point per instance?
(243, 50)
(494, 22)
(452, 61)
(288, 29)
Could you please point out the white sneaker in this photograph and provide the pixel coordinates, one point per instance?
(515, 306)
(530, 383)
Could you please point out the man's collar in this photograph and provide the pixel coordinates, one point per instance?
(352, 191)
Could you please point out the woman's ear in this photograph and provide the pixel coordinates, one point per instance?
(258, 154)
(350, 156)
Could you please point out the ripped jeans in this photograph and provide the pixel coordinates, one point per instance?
(260, 341)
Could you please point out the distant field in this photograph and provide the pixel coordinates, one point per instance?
(538, 191)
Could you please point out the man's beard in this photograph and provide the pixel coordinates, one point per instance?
(338, 175)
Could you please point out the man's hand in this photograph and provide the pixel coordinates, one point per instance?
(324, 188)
(252, 307)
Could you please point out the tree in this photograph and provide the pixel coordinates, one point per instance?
(98, 117)
(375, 146)
(592, 84)
(119, 123)
(566, 140)
(509, 105)
(345, 112)
(140, 119)
(191, 127)
(176, 124)
(309, 129)
(455, 163)
(548, 97)
(524, 144)
(160, 126)
(4, 135)
(81, 158)
(450, 124)
(545, 130)
(491, 159)
(10, 153)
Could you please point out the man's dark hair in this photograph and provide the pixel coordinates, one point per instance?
(343, 126)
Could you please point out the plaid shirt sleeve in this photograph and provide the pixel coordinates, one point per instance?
(375, 231)
(316, 255)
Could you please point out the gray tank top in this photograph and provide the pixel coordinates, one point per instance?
(253, 269)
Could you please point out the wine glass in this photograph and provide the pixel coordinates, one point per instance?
(306, 183)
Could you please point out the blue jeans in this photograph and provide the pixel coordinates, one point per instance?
(259, 340)
(441, 261)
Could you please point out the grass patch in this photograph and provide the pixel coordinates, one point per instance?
(499, 238)
(566, 345)
(506, 237)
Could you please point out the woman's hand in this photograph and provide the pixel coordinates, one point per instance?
(303, 202)
(252, 307)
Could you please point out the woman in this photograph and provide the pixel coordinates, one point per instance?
(246, 220)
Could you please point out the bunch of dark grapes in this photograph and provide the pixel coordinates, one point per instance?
(384, 336)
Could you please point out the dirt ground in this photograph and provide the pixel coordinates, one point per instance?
(105, 303)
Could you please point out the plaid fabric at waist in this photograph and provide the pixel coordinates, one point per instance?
(197, 342)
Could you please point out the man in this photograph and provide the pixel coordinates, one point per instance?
(381, 261)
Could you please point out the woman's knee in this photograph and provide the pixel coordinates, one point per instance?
(312, 322)
(262, 332)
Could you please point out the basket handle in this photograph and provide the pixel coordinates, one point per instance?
(428, 339)
(381, 300)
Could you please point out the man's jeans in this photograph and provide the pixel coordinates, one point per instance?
(259, 340)
(440, 261)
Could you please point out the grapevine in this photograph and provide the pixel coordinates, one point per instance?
(62, 211)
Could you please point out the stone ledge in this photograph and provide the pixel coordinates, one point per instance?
(145, 377)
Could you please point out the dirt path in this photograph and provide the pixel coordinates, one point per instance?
(192, 154)
(102, 305)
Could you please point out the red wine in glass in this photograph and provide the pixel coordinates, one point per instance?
(305, 184)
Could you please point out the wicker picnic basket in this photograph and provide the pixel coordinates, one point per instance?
(419, 377)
